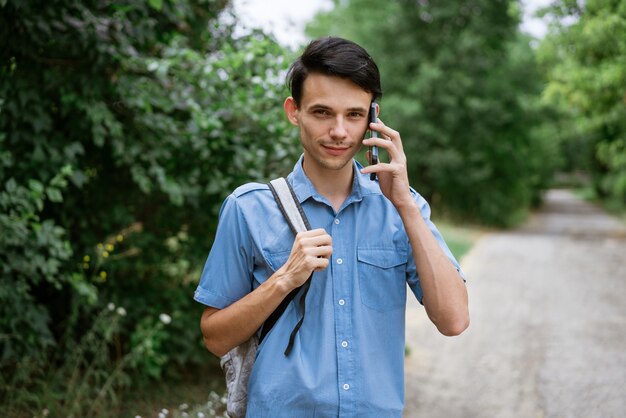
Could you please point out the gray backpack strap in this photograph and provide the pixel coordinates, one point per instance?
(292, 211)
(289, 206)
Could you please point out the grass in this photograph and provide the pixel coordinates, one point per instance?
(613, 207)
(82, 379)
(193, 395)
(585, 193)
(460, 239)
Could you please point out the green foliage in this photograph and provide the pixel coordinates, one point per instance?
(83, 378)
(123, 125)
(461, 86)
(32, 253)
(584, 56)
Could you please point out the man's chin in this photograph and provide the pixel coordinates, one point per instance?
(335, 163)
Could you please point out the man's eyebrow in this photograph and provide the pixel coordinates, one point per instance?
(317, 106)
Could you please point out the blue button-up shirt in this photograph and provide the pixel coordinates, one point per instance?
(348, 357)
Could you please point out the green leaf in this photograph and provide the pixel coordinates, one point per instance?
(54, 195)
(35, 186)
(86, 290)
(156, 4)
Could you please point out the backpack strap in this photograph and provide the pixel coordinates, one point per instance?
(298, 222)
(289, 205)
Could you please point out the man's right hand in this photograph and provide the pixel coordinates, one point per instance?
(310, 252)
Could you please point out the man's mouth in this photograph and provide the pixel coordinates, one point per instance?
(335, 151)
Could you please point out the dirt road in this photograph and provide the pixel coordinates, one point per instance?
(548, 331)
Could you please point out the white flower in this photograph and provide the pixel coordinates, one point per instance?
(165, 318)
(137, 416)
(165, 411)
(222, 74)
(45, 412)
(111, 307)
(200, 415)
(162, 415)
(184, 414)
(121, 311)
(183, 406)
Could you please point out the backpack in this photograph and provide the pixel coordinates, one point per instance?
(237, 364)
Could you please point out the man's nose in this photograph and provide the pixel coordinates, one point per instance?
(338, 130)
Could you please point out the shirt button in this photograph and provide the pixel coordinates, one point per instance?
(342, 302)
(337, 221)
(346, 386)
(344, 344)
(339, 261)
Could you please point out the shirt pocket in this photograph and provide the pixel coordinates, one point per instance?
(277, 259)
(382, 277)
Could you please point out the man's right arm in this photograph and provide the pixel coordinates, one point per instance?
(224, 329)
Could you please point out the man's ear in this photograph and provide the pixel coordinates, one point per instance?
(291, 110)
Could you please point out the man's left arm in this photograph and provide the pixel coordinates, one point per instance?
(445, 294)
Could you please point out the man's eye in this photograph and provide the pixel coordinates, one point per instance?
(355, 115)
(322, 112)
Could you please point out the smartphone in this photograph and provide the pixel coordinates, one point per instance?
(373, 149)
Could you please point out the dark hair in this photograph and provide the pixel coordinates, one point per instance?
(337, 57)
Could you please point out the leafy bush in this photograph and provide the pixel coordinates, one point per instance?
(123, 125)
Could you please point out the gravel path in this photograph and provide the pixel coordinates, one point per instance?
(548, 331)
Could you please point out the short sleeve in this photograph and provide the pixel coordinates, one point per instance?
(227, 273)
(412, 276)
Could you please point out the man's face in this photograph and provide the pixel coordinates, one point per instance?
(332, 117)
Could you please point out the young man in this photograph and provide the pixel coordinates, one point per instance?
(369, 239)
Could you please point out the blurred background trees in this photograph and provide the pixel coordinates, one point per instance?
(123, 125)
(461, 85)
(584, 59)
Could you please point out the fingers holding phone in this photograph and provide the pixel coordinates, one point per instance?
(386, 138)
(392, 176)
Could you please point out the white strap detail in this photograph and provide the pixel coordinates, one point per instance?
(286, 199)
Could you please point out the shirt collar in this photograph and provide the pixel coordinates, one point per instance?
(304, 189)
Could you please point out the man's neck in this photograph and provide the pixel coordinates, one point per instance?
(334, 185)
